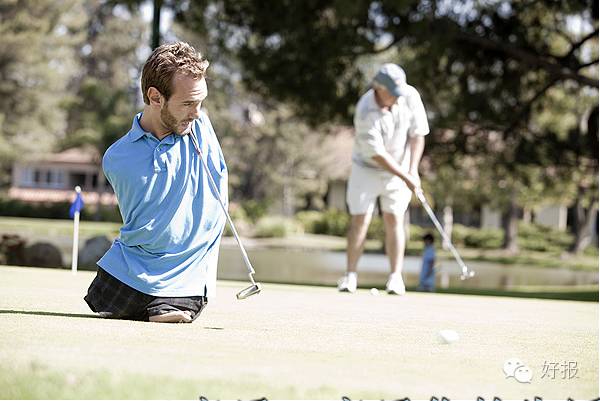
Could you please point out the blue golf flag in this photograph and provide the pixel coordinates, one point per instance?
(76, 206)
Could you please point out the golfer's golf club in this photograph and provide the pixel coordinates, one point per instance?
(255, 288)
(466, 273)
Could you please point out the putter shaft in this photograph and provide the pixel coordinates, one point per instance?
(466, 273)
(255, 287)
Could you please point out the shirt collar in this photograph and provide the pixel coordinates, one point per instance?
(137, 132)
(373, 106)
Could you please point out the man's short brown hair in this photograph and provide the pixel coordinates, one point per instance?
(165, 61)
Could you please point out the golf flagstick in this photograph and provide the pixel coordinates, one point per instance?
(466, 273)
(74, 212)
(255, 288)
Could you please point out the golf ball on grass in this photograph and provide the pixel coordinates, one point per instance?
(448, 336)
(374, 291)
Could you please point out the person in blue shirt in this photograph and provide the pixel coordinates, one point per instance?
(163, 265)
(427, 277)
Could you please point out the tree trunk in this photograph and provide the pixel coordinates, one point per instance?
(527, 215)
(510, 219)
(448, 222)
(584, 220)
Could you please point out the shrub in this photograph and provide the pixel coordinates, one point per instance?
(309, 219)
(484, 238)
(240, 219)
(333, 222)
(459, 233)
(376, 229)
(540, 238)
(254, 210)
(60, 210)
(276, 226)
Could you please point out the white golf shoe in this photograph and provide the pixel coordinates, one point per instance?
(347, 283)
(395, 285)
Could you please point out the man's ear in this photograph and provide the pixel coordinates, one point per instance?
(155, 97)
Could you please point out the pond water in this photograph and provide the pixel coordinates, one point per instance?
(318, 267)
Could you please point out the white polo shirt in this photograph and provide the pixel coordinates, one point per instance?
(378, 131)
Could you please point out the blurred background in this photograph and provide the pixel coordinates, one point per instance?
(510, 87)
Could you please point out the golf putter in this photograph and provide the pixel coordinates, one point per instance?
(255, 287)
(466, 272)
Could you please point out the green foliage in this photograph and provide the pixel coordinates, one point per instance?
(505, 82)
(36, 64)
(544, 239)
(484, 239)
(333, 222)
(16, 208)
(376, 229)
(309, 219)
(103, 104)
(531, 237)
(276, 226)
(336, 222)
(240, 219)
(463, 236)
(254, 210)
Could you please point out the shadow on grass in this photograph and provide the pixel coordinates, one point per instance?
(41, 313)
(75, 315)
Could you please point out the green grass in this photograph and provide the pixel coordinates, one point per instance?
(585, 294)
(37, 381)
(289, 342)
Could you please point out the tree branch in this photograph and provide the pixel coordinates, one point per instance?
(530, 58)
(577, 45)
(527, 107)
(591, 63)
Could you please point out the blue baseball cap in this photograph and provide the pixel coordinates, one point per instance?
(393, 78)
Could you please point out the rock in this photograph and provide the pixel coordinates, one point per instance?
(43, 254)
(12, 250)
(92, 251)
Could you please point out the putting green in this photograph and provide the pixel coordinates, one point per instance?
(292, 342)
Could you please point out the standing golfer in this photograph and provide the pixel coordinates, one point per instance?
(390, 124)
(163, 265)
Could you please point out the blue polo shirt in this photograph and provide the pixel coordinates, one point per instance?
(172, 223)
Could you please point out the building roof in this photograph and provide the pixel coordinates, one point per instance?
(78, 155)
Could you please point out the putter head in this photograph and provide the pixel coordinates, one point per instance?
(249, 291)
(467, 275)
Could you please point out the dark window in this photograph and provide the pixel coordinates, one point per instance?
(77, 179)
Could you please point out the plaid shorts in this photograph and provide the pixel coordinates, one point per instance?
(113, 299)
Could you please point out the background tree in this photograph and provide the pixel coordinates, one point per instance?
(481, 66)
(105, 89)
(36, 62)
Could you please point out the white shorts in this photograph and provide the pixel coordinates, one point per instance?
(366, 184)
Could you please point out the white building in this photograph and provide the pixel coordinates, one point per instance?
(54, 177)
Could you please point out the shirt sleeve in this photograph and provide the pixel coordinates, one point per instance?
(369, 137)
(106, 169)
(418, 123)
